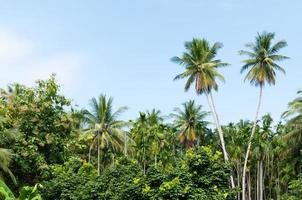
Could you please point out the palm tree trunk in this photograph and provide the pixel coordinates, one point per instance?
(113, 159)
(144, 156)
(261, 180)
(220, 132)
(238, 177)
(257, 180)
(89, 155)
(249, 187)
(278, 181)
(250, 144)
(99, 164)
(90, 148)
(125, 144)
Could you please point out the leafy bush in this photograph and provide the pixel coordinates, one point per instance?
(27, 193)
(199, 175)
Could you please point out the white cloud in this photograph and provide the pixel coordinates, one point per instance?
(19, 63)
(65, 65)
(13, 47)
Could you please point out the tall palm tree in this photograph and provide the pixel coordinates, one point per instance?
(261, 66)
(104, 125)
(189, 122)
(201, 67)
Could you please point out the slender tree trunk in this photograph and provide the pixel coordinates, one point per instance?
(261, 180)
(256, 186)
(278, 182)
(113, 159)
(238, 177)
(220, 132)
(90, 148)
(125, 144)
(99, 153)
(258, 180)
(144, 155)
(89, 155)
(249, 186)
(250, 144)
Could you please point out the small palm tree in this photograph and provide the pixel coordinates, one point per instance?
(201, 68)
(105, 127)
(6, 154)
(5, 159)
(294, 114)
(189, 122)
(262, 67)
(154, 117)
(139, 133)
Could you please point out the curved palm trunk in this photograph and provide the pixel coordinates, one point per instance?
(250, 144)
(220, 132)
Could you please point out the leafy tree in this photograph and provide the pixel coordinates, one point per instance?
(261, 66)
(39, 115)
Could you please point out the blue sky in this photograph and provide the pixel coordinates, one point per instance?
(123, 49)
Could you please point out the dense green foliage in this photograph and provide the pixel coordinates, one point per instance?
(198, 175)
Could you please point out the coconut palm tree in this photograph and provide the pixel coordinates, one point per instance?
(189, 122)
(201, 68)
(104, 126)
(261, 67)
(294, 116)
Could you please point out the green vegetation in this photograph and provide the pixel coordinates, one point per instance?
(51, 150)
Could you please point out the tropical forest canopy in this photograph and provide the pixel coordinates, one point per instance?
(51, 149)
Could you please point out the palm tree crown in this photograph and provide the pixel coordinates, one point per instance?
(189, 122)
(103, 119)
(263, 57)
(200, 65)
(294, 114)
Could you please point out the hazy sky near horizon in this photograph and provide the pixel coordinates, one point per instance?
(123, 49)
